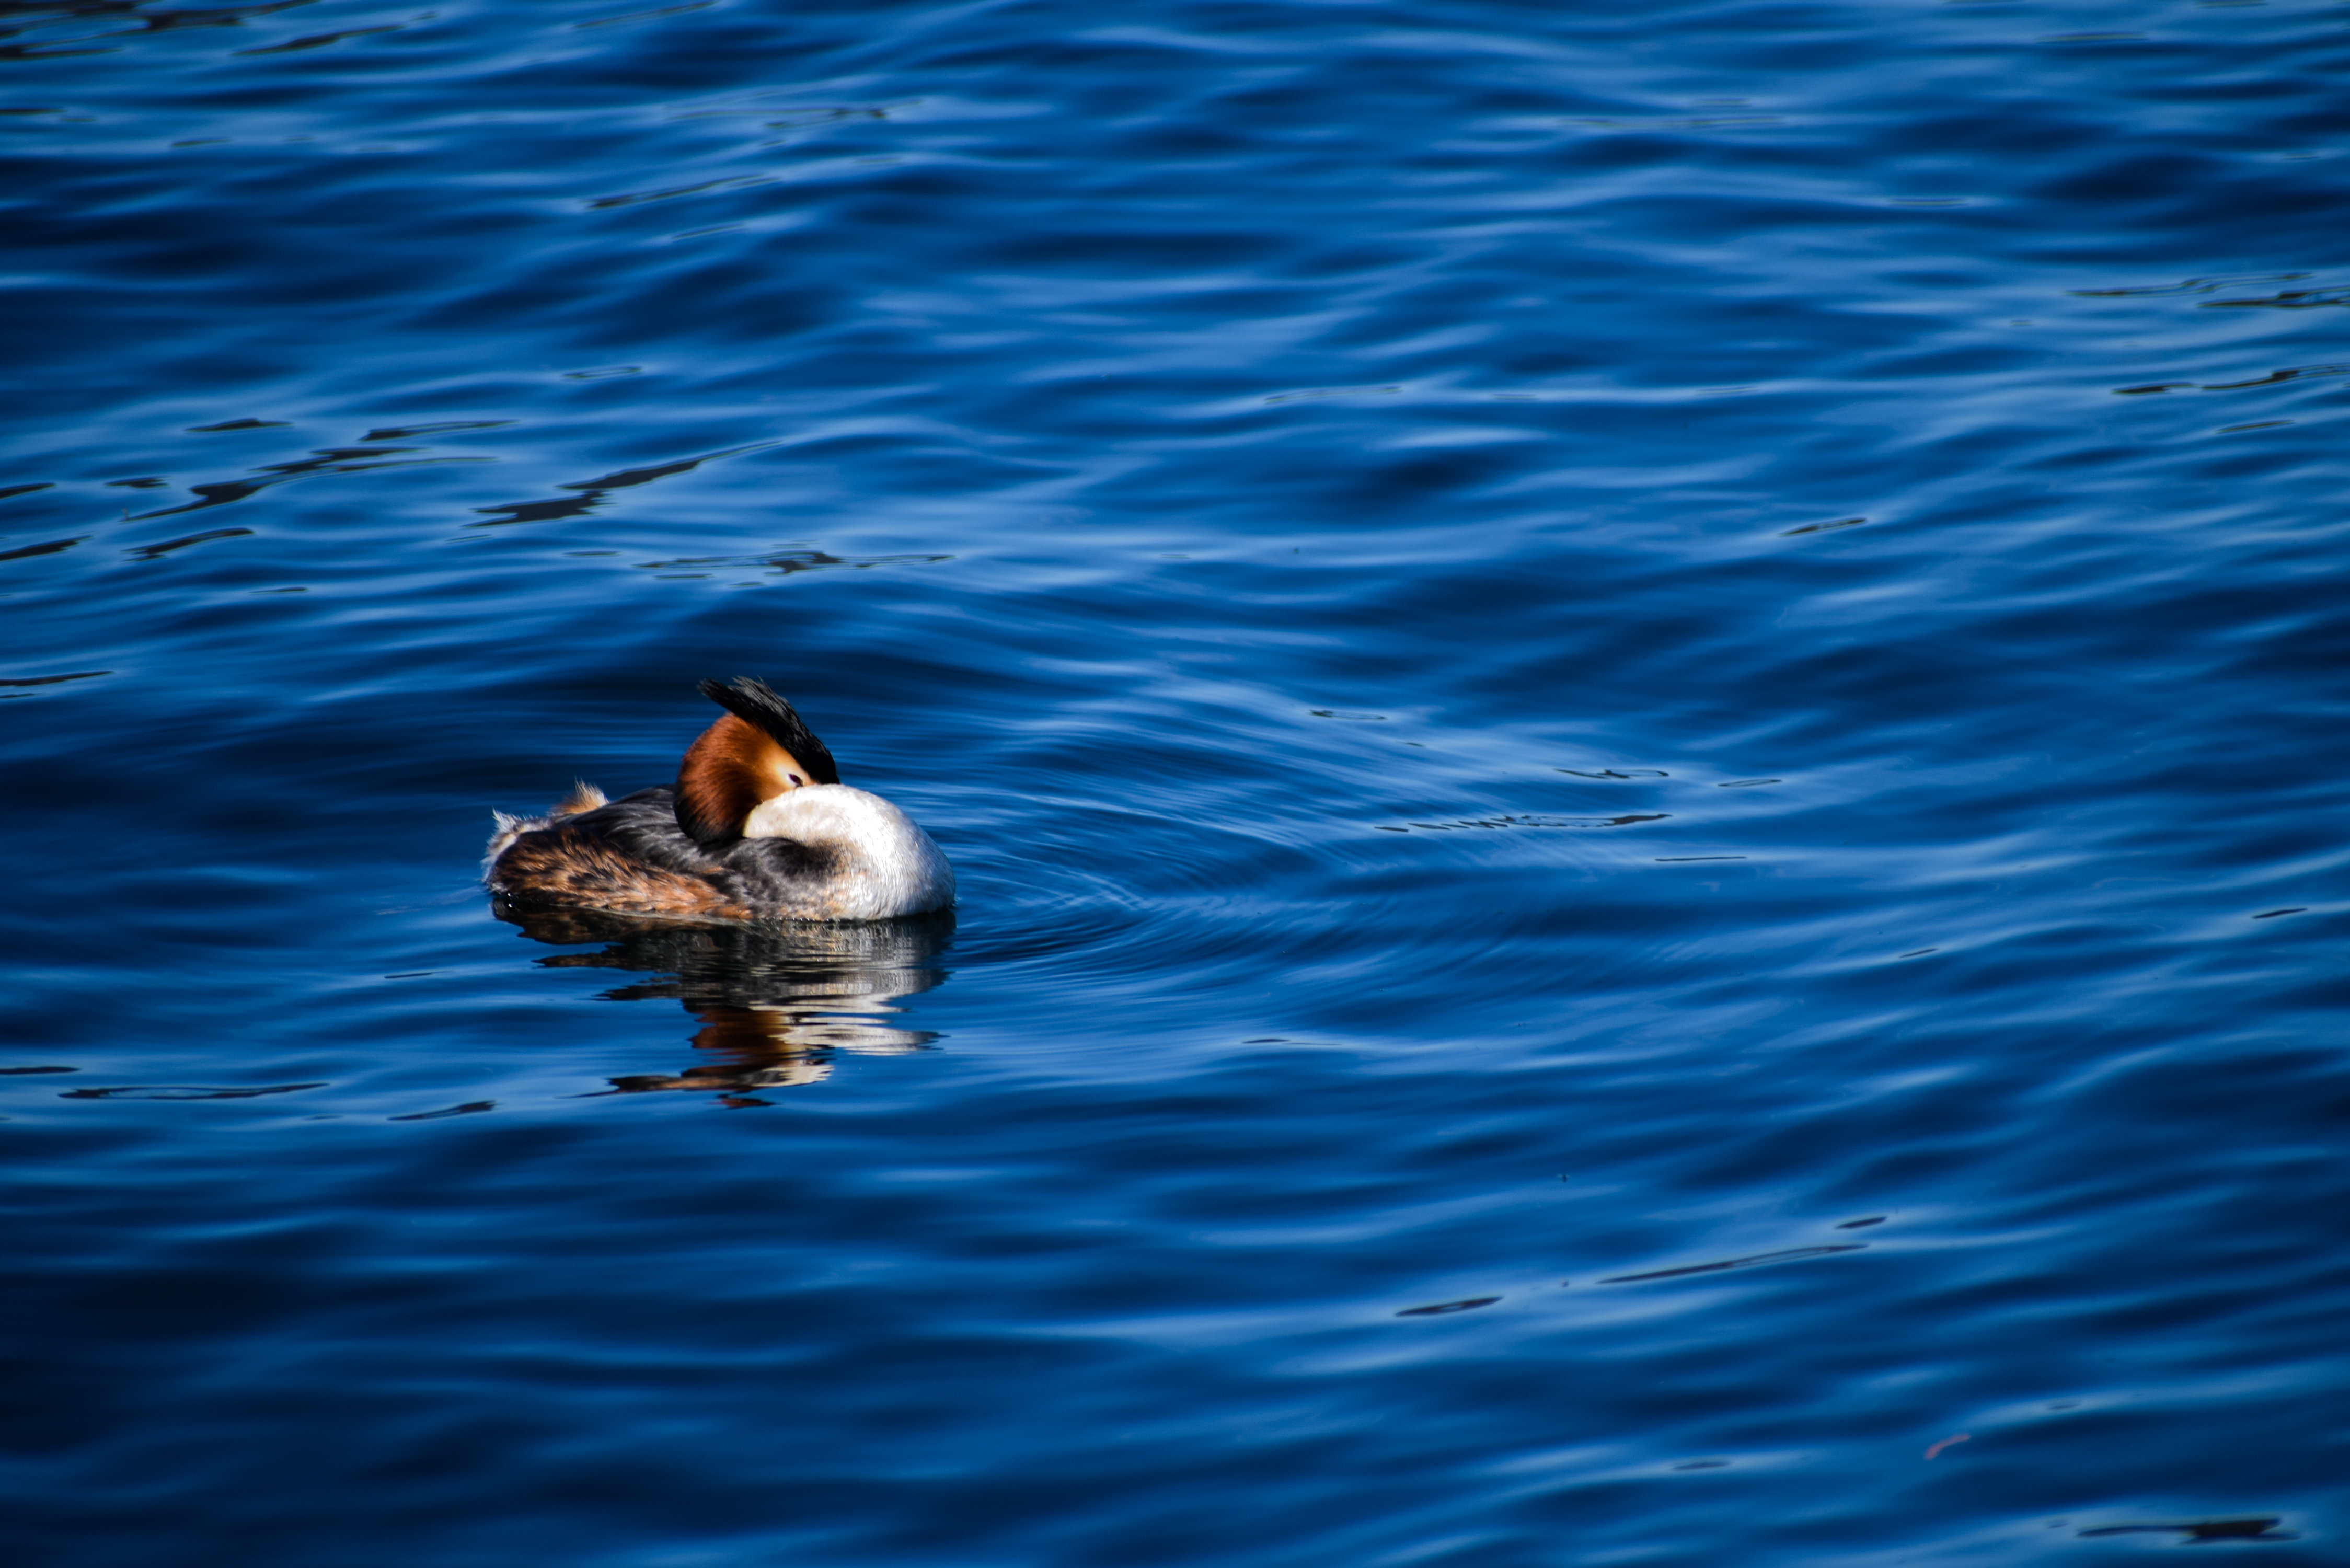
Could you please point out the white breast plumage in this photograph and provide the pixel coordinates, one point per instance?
(886, 865)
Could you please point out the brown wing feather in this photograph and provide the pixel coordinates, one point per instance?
(565, 865)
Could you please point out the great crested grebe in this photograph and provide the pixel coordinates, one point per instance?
(759, 827)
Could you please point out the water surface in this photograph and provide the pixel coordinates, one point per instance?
(1639, 712)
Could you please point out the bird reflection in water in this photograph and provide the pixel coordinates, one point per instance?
(778, 1004)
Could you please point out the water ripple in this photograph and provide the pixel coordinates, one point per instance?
(1565, 658)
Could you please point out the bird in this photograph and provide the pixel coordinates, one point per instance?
(757, 827)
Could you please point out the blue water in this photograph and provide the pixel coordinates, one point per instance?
(1668, 677)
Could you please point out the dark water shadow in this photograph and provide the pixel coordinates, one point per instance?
(2198, 1532)
(777, 1004)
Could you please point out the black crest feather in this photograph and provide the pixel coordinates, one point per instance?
(754, 702)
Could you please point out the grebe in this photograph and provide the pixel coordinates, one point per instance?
(759, 827)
